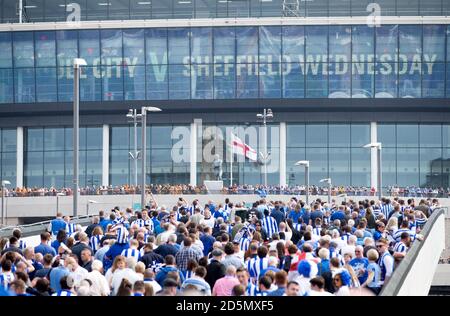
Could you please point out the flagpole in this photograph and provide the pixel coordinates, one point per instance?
(231, 161)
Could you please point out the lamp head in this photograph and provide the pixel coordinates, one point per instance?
(151, 109)
(79, 62)
(6, 182)
(269, 114)
(302, 163)
(373, 145)
(130, 113)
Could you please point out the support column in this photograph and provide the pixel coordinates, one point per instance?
(282, 154)
(193, 154)
(373, 156)
(105, 155)
(19, 157)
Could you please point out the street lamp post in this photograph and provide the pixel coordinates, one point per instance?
(379, 184)
(4, 184)
(306, 164)
(144, 111)
(265, 116)
(328, 181)
(77, 62)
(132, 114)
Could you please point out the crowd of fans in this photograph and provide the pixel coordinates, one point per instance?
(179, 189)
(222, 249)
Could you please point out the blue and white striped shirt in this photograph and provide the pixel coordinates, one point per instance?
(94, 242)
(6, 279)
(258, 265)
(270, 225)
(251, 290)
(386, 209)
(400, 247)
(398, 234)
(70, 228)
(131, 253)
(244, 243)
(63, 293)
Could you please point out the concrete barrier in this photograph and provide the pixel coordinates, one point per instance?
(415, 273)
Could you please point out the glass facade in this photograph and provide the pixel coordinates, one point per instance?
(334, 151)
(415, 154)
(265, 62)
(8, 161)
(48, 157)
(58, 10)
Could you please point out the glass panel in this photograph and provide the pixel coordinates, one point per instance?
(162, 9)
(34, 139)
(270, 43)
(179, 81)
(433, 43)
(360, 165)
(318, 170)
(359, 8)
(224, 44)
(24, 85)
(54, 169)
(156, 45)
(360, 134)
(6, 86)
(270, 80)
(433, 80)
(94, 168)
(67, 48)
(23, 48)
(9, 140)
(386, 80)
(339, 135)
(295, 135)
(339, 80)
(407, 7)
(409, 80)
(55, 10)
(339, 7)
(205, 9)
(178, 46)
(9, 162)
(45, 49)
(293, 42)
(6, 51)
(68, 136)
(387, 43)
(316, 135)
(431, 7)
(410, 40)
(34, 162)
(134, 78)
(316, 42)
(408, 167)
(112, 80)
(90, 84)
(157, 85)
(339, 165)
(160, 137)
(224, 81)
(94, 136)
(247, 43)
(201, 45)
(293, 80)
(119, 168)
(431, 167)
(430, 135)
(111, 45)
(53, 139)
(34, 10)
(118, 9)
(65, 84)
(10, 12)
(340, 41)
(407, 135)
(247, 80)
(46, 85)
(140, 10)
(295, 174)
(97, 10)
(363, 41)
(316, 80)
(389, 167)
(133, 47)
(387, 135)
(120, 137)
(201, 81)
(239, 8)
(363, 80)
(317, 8)
(90, 46)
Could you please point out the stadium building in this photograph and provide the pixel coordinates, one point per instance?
(335, 75)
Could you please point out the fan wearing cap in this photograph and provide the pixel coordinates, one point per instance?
(116, 249)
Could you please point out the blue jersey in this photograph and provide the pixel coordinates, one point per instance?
(383, 262)
(63, 293)
(251, 290)
(386, 210)
(6, 279)
(400, 247)
(131, 253)
(70, 228)
(94, 242)
(375, 268)
(259, 264)
(398, 234)
(244, 243)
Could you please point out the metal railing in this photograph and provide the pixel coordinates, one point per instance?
(395, 283)
(39, 227)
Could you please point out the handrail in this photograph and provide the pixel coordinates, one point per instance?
(37, 228)
(399, 275)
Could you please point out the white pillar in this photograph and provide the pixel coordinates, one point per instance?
(373, 156)
(282, 154)
(19, 157)
(105, 159)
(193, 154)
